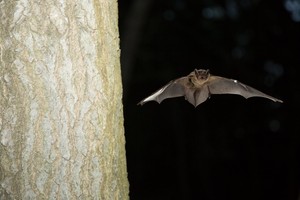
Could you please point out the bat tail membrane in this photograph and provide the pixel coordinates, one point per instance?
(201, 95)
(197, 96)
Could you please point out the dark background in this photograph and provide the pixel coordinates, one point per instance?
(228, 147)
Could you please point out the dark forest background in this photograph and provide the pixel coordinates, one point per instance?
(228, 147)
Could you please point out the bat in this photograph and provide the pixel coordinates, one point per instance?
(199, 85)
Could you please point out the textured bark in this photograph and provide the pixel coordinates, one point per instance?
(61, 114)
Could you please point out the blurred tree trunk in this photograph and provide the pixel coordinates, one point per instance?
(61, 114)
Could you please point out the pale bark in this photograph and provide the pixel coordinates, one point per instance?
(61, 114)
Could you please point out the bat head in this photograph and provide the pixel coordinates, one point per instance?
(199, 76)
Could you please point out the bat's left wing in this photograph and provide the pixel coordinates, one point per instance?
(220, 85)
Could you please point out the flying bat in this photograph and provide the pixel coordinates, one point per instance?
(199, 85)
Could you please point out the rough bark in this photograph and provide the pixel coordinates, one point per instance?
(61, 114)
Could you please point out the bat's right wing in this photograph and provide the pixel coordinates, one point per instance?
(220, 85)
(175, 88)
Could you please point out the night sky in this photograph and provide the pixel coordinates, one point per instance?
(228, 147)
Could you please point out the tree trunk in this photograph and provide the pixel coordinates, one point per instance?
(61, 114)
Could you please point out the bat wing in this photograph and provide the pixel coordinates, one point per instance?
(220, 85)
(175, 88)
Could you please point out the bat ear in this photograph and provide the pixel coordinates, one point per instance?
(207, 72)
